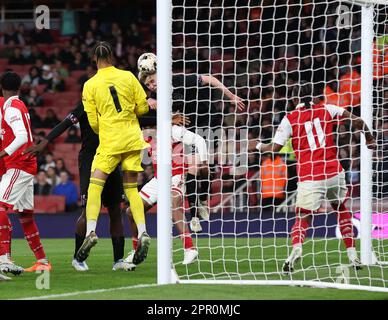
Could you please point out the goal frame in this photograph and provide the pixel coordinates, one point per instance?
(165, 270)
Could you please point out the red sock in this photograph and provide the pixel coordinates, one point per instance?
(31, 234)
(134, 243)
(5, 231)
(299, 229)
(2, 250)
(346, 226)
(187, 240)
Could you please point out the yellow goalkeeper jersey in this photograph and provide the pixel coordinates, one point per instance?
(113, 99)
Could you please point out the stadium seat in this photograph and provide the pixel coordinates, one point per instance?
(49, 204)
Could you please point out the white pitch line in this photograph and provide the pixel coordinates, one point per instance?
(76, 293)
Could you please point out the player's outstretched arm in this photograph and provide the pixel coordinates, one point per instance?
(69, 121)
(214, 82)
(359, 125)
(283, 133)
(255, 145)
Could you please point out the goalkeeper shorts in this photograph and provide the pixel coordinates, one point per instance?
(113, 192)
(130, 161)
(311, 193)
(149, 192)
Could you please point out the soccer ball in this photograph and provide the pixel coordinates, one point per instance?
(147, 62)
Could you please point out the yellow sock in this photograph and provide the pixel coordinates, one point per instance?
(136, 203)
(93, 205)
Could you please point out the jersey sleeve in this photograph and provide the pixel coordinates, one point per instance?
(71, 119)
(90, 106)
(283, 133)
(181, 134)
(334, 111)
(140, 97)
(14, 119)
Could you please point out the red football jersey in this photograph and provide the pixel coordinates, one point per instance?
(13, 111)
(177, 163)
(311, 130)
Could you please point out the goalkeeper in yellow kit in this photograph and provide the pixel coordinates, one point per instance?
(113, 99)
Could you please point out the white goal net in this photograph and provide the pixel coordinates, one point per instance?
(260, 50)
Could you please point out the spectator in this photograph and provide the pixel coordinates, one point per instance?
(58, 54)
(42, 36)
(62, 71)
(47, 78)
(350, 83)
(33, 99)
(78, 63)
(333, 96)
(51, 119)
(49, 163)
(17, 57)
(33, 76)
(32, 54)
(68, 189)
(60, 166)
(10, 36)
(41, 186)
(72, 136)
(90, 72)
(53, 178)
(58, 84)
(22, 35)
(85, 16)
(95, 29)
(36, 121)
(89, 39)
(68, 26)
(273, 180)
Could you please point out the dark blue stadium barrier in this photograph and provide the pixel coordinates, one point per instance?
(244, 224)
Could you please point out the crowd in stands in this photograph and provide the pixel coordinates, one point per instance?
(51, 58)
(283, 46)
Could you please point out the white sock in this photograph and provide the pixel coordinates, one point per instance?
(90, 226)
(298, 245)
(141, 227)
(44, 261)
(352, 253)
(4, 258)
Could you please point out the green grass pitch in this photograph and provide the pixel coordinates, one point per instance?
(103, 283)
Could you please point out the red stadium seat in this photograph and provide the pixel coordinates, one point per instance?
(49, 204)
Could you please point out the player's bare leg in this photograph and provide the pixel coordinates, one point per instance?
(344, 218)
(178, 218)
(298, 235)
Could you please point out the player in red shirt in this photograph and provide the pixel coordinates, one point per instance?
(320, 173)
(180, 164)
(16, 187)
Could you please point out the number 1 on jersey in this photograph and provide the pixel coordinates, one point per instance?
(310, 135)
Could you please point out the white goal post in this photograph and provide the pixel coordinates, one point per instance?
(230, 255)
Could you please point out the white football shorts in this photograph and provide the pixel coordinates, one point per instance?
(17, 190)
(311, 193)
(149, 192)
